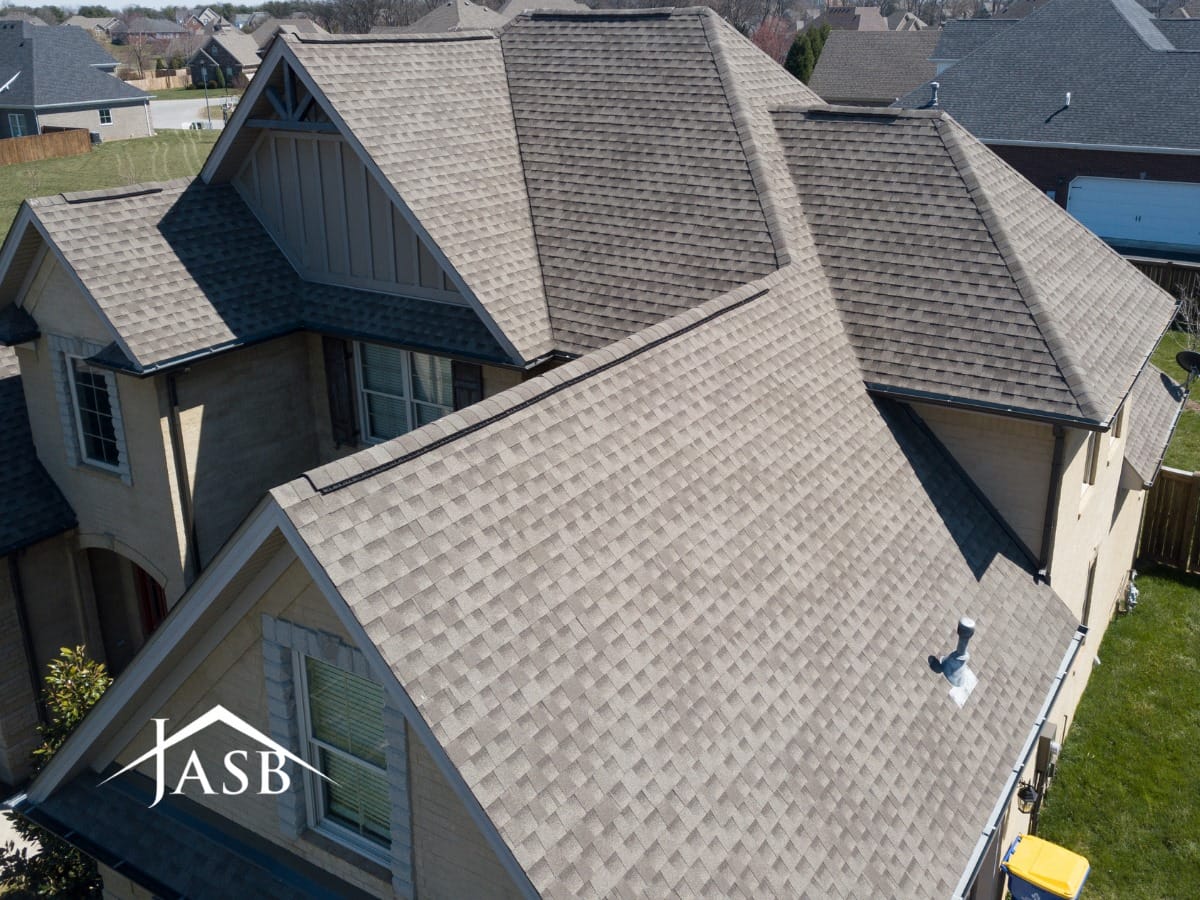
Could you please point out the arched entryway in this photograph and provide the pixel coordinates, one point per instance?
(130, 605)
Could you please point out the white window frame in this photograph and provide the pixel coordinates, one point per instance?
(361, 391)
(314, 795)
(110, 388)
(16, 124)
(105, 112)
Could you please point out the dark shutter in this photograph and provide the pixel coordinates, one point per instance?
(339, 381)
(468, 384)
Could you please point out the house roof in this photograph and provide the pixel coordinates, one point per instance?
(179, 296)
(454, 15)
(57, 66)
(241, 47)
(1130, 86)
(962, 37)
(34, 507)
(270, 27)
(951, 285)
(877, 66)
(1156, 404)
(663, 621)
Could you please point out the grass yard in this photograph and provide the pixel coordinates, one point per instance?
(1184, 450)
(1127, 795)
(171, 154)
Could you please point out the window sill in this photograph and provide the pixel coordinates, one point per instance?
(347, 854)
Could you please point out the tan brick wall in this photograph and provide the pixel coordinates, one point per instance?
(1009, 459)
(451, 857)
(248, 425)
(127, 121)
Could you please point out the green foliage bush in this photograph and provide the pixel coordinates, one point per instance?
(72, 686)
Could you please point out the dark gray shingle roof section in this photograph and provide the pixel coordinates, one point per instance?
(33, 507)
(642, 199)
(179, 295)
(665, 574)
(1128, 87)
(1156, 403)
(952, 271)
(58, 67)
(873, 66)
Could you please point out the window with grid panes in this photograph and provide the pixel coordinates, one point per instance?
(344, 734)
(90, 392)
(400, 390)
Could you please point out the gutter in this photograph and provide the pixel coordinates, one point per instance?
(1053, 496)
(975, 863)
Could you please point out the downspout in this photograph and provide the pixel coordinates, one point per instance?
(1053, 495)
(976, 861)
(181, 476)
(18, 589)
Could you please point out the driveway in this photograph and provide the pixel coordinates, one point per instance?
(178, 113)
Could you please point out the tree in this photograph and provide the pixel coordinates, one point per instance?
(774, 37)
(72, 686)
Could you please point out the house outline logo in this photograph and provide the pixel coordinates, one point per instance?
(193, 770)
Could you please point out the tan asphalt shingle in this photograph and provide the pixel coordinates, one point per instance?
(670, 621)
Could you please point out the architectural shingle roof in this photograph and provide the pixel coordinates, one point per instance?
(180, 295)
(33, 507)
(873, 66)
(57, 66)
(951, 272)
(667, 626)
(1128, 86)
(1157, 401)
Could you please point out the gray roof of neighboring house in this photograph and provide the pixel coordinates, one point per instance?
(34, 507)
(665, 623)
(180, 294)
(57, 66)
(1155, 406)
(876, 66)
(454, 15)
(1128, 87)
(953, 272)
(962, 37)
(270, 27)
(241, 47)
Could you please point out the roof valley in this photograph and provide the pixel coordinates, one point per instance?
(1026, 287)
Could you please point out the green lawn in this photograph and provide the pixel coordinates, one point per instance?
(172, 154)
(1184, 450)
(1127, 795)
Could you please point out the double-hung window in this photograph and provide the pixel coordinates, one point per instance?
(400, 390)
(343, 733)
(91, 396)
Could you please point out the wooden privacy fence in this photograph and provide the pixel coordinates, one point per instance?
(50, 145)
(1170, 532)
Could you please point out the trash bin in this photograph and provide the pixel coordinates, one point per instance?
(1040, 870)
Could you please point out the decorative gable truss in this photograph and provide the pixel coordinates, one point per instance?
(330, 214)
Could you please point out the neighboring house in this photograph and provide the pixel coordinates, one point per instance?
(873, 68)
(141, 27)
(60, 78)
(790, 389)
(231, 52)
(99, 26)
(270, 27)
(1118, 146)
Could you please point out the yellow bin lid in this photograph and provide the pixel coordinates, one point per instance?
(1049, 866)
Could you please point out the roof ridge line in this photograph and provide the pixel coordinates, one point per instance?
(739, 111)
(1068, 368)
(463, 423)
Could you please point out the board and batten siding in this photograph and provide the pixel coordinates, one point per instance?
(332, 218)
